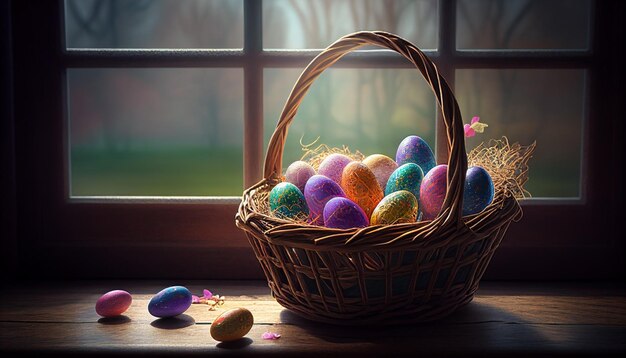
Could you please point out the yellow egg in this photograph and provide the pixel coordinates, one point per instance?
(382, 166)
(396, 208)
(360, 185)
(232, 325)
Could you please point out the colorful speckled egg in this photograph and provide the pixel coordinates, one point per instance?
(287, 202)
(433, 191)
(298, 173)
(382, 166)
(318, 190)
(332, 166)
(113, 303)
(408, 177)
(232, 325)
(414, 149)
(343, 213)
(396, 208)
(170, 302)
(478, 192)
(361, 186)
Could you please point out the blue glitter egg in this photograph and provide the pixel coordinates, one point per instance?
(414, 149)
(287, 202)
(170, 302)
(478, 192)
(407, 177)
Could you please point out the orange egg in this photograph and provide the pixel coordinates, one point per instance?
(360, 185)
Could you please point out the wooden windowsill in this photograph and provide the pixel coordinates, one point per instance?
(503, 319)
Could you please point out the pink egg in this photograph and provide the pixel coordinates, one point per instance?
(332, 166)
(113, 303)
(433, 191)
(298, 173)
(382, 166)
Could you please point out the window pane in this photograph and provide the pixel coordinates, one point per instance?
(156, 131)
(154, 23)
(318, 23)
(370, 110)
(528, 105)
(523, 24)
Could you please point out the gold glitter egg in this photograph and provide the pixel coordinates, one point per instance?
(396, 208)
(360, 185)
(232, 325)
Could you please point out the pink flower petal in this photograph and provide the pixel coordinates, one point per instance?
(475, 119)
(195, 299)
(270, 335)
(469, 132)
(207, 294)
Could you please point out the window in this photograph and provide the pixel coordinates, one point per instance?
(150, 120)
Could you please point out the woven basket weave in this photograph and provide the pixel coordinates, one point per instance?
(402, 273)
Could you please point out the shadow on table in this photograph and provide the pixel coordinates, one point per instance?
(474, 330)
(177, 322)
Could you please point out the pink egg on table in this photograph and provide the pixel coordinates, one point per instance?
(298, 173)
(113, 303)
(433, 191)
(332, 166)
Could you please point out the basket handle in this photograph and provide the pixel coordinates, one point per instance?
(457, 160)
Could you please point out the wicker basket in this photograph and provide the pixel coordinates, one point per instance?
(402, 273)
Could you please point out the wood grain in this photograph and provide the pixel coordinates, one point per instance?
(61, 319)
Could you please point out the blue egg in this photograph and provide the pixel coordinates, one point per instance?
(407, 177)
(478, 192)
(287, 202)
(170, 302)
(414, 149)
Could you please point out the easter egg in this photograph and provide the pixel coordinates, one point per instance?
(361, 186)
(332, 166)
(414, 149)
(232, 325)
(298, 173)
(408, 177)
(318, 190)
(478, 192)
(382, 166)
(433, 191)
(396, 208)
(170, 302)
(343, 213)
(113, 303)
(287, 202)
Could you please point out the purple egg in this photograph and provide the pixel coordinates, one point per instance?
(414, 149)
(318, 191)
(332, 166)
(298, 173)
(113, 303)
(170, 302)
(343, 213)
(478, 192)
(433, 191)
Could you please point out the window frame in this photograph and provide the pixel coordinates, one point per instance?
(60, 236)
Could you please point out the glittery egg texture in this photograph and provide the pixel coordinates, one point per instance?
(298, 173)
(318, 190)
(433, 191)
(361, 186)
(382, 166)
(287, 202)
(414, 149)
(332, 166)
(343, 213)
(396, 208)
(478, 192)
(232, 325)
(408, 177)
(170, 302)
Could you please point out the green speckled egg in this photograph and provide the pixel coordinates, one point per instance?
(398, 207)
(287, 202)
(407, 177)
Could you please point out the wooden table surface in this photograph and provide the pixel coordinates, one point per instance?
(504, 319)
